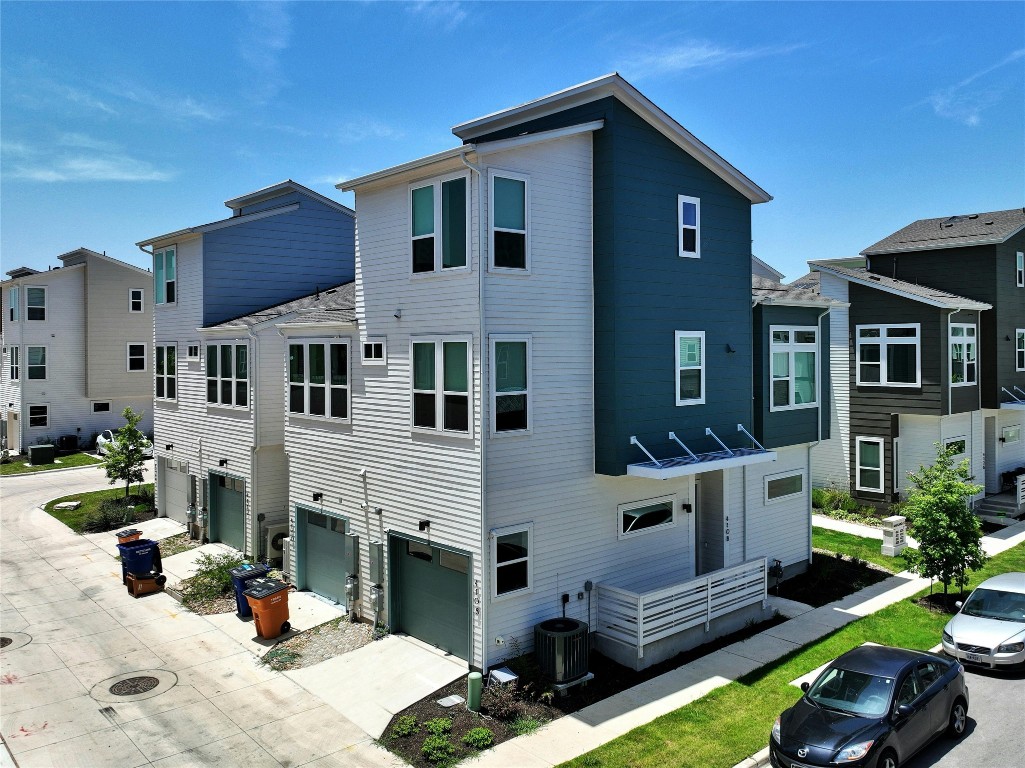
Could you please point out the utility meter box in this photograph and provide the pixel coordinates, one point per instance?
(376, 562)
(351, 556)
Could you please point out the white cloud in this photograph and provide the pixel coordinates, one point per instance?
(106, 162)
(361, 128)
(966, 105)
(78, 96)
(81, 141)
(172, 105)
(266, 34)
(693, 55)
(446, 13)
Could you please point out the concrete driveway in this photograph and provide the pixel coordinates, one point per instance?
(70, 693)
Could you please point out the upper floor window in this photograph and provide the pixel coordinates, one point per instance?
(441, 384)
(136, 356)
(165, 358)
(192, 351)
(1019, 349)
(15, 362)
(793, 367)
(164, 275)
(35, 302)
(135, 299)
(374, 351)
(889, 355)
(36, 363)
(1019, 269)
(510, 220)
(690, 367)
(318, 379)
(227, 374)
(439, 217)
(689, 226)
(510, 390)
(13, 302)
(963, 363)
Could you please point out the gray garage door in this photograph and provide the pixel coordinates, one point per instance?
(430, 597)
(228, 511)
(322, 556)
(176, 489)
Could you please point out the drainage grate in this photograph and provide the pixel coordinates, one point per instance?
(134, 686)
(5, 641)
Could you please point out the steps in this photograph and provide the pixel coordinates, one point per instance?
(999, 509)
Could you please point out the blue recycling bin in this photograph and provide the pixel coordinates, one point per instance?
(240, 577)
(140, 557)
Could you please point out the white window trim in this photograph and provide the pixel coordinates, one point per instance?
(1019, 269)
(492, 174)
(168, 375)
(962, 438)
(142, 300)
(1006, 430)
(436, 182)
(28, 415)
(46, 303)
(199, 352)
(173, 249)
(676, 372)
(101, 402)
(14, 304)
(14, 363)
(1019, 349)
(382, 340)
(439, 385)
(326, 342)
(884, 343)
(493, 371)
(128, 357)
(233, 343)
(680, 200)
(780, 476)
(791, 348)
(882, 464)
(964, 341)
(25, 365)
(623, 508)
(495, 534)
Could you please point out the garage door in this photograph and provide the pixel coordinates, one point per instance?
(430, 597)
(176, 489)
(228, 511)
(323, 555)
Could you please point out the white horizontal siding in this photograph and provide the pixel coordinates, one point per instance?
(1008, 455)
(919, 436)
(831, 458)
(779, 529)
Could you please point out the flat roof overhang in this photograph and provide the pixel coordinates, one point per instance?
(1012, 406)
(682, 466)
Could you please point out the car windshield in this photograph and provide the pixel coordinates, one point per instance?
(996, 604)
(856, 693)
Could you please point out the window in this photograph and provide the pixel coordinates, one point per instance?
(227, 374)
(36, 363)
(101, 407)
(510, 221)
(1019, 349)
(888, 355)
(135, 303)
(511, 569)
(793, 368)
(192, 352)
(318, 379)
(443, 404)
(35, 303)
(783, 486)
(439, 216)
(136, 357)
(39, 415)
(374, 352)
(1019, 269)
(15, 305)
(164, 271)
(870, 464)
(957, 444)
(646, 516)
(166, 364)
(15, 361)
(690, 367)
(1011, 434)
(510, 385)
(963, 349)
(689, 218)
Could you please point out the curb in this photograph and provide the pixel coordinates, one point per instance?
(757, 760)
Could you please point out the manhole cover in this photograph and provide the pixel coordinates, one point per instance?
(12, 641)
(5, 641)
(134, 685)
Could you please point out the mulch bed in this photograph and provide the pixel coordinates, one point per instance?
(937, 602)
(828, 578)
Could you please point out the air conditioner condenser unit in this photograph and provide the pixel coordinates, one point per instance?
(276, 535)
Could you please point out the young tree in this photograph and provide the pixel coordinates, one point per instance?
(125, 455)
(947, 530)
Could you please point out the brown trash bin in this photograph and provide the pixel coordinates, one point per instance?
(127, 535)
(269, 600)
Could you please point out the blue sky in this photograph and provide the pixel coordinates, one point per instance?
(122, 121)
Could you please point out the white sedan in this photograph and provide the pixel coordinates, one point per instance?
(106, 437)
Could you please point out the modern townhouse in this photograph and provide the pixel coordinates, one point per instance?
(218, 394)
(542, 403)
(76, 349)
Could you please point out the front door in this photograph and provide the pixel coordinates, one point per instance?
(323, 556)
(228, 511)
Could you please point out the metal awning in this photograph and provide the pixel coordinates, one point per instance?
(1017, 402)
(695, 463)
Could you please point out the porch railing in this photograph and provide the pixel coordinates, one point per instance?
(639, 619)
(1019, 491)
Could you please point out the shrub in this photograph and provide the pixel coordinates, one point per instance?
(438, 726)
(819, 498)
(437, 749)
(212, 579)
(479, 738)
(501, 701)
(110, 515)
(524, 725)
(404, 726)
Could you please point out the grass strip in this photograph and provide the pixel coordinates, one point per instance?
(859, 547)
(76, 518)
(19, 465)
(733, 722)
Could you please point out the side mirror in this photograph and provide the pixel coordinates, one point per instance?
(958, 605)
(805, 686)
(905, 710)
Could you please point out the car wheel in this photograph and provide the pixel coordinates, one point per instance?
(887, 760)
(958, 719)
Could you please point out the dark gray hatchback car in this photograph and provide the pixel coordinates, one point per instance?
(873, 707)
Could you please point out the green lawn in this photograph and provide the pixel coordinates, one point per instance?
(863, 548)
(733, 722)
(75, 519)
(18, 465)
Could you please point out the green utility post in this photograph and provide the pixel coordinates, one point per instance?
(474, 681)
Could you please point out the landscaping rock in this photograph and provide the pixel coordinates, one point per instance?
(67, 505)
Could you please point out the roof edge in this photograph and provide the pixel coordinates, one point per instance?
(266, 193)
(966, 303)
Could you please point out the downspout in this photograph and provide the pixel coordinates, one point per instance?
(484, 395)
(254, 368)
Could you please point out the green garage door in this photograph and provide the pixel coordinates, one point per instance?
(323, 554)
(430, 597)
(228, 511)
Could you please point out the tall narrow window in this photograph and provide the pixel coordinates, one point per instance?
(35, 303)
(889, 355)
(296, 378)
(135, 303)
(13, 302)
(690, 367)
(424, 390)
(438, 215)
(963, 364)
(136, 357)
(689, 226)
(1019, 269)
(227, 374)
(449, 408)
(339, 381)
(36, 363)
(1019, 349)
(422, 201)
(164, 276)
(511, 387)
(166, 367)
(318, 379)
(511, 570)
(15, 361)
(870, 464)
(456, 384)
(793, 353)
(510, 213)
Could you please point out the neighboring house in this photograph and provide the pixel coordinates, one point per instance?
(76, 349)
(543, 402)
(217, 375)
